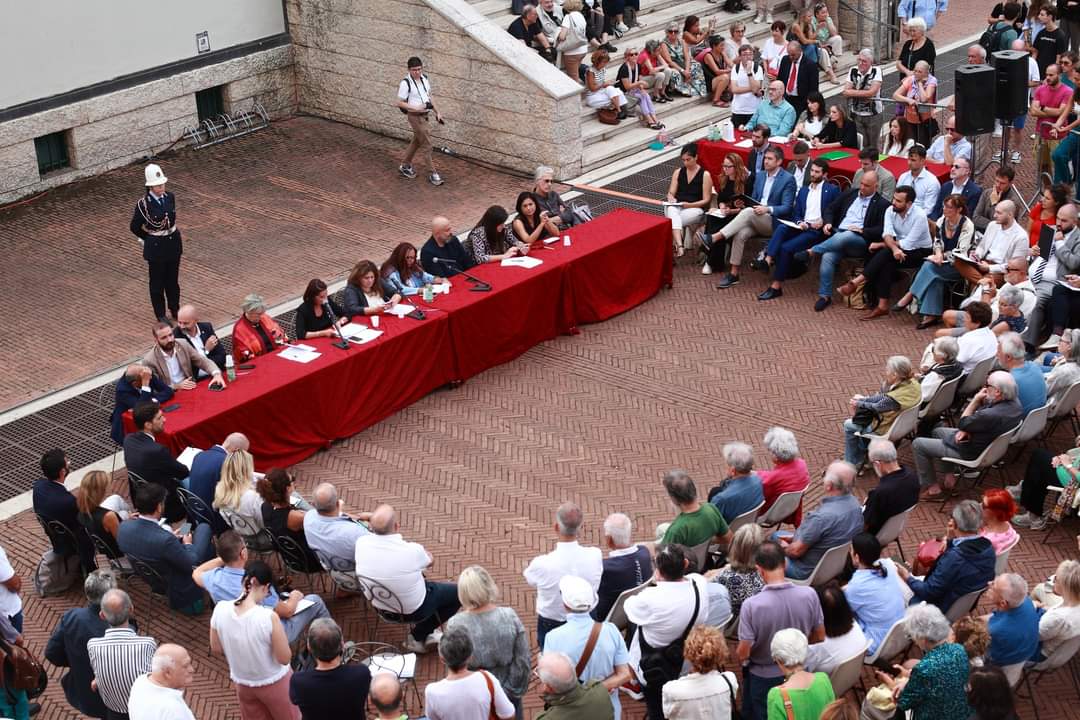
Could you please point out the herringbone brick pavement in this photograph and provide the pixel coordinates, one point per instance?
(477, 471)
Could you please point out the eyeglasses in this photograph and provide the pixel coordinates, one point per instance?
(673, 29)
(957, 165)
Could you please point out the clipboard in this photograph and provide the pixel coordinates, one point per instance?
(1046, 241)
(750, 202)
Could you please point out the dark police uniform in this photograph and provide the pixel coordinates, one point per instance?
(154, 222)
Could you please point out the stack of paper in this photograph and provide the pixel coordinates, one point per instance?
(404, 666)
(522, 261)
(744, 143)
(299, 353)
(440, 288)
(188, 456)
(401, 309)
(359, 334)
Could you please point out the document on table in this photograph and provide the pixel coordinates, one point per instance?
(440, 288)
(359, 334)
(404, 666)
(523, 261)
(401, 309)
(296, 354)
(744, 143)
(188, 456)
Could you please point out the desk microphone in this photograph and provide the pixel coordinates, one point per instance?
(480, 285)
(342, 343)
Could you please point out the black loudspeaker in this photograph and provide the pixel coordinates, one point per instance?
(975, 85)
(1012, 84)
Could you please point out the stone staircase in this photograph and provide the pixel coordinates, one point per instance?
(604, 144)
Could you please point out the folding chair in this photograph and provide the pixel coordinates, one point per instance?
(846, 675)
(963, 605)
(903, 427)
(993, 452)
(781, 509)
(1001, 562)
(830, 565)
(1062, 656)
(942, 399)
(746, 518)
(893, 528)
(1065, 409)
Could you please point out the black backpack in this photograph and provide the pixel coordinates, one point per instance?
(990, 40)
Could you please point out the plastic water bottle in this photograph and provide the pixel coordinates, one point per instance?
(429, 293)
(566, 241)
(230, 369)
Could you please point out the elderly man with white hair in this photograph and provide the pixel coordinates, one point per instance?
(862, 86)
(741, 491)
(159, 695)
(838, 519)
(564, 697)
(549, 200)
(1013, 624)
(568, 558)
(330, 531)
(1005, 239)
(789, 472)
(992, 411)
(976, 54)
(626, 566)
(1030, 381)
(597, 649)
(897, 488)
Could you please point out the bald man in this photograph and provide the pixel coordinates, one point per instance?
(386, 696)
(384, 558)
(199, 335)
(330, 531)
(137, 385)
(160, 694)
(206, 471)
(443, 254)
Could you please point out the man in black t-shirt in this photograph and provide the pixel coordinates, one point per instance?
(527, 29)
(331, 689)
(1051, 40)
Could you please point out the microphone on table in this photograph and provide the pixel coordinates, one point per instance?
(342, 342)
(480, 285)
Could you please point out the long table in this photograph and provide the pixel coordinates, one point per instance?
(290, 410)
(711, 156)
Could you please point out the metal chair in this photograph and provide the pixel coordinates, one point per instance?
(196, 508)
(895, 642)
(617, 614)
(746, 518)
(65, 542)
(155, 583)
(993, 452)
(342, 573)
(828, 567)
(700, 554)
(963, 605)
(1001, 562)
(974, 380)
(784, 506)
(1060, 657)
(893, 528)
(118, 563)
(1065, 409)
(942, 399)
(295, 558)
(386, 603)
(258, 539)
(381, 657)
(846, 675)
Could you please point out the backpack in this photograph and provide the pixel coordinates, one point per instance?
(990, 40)
(56, 574)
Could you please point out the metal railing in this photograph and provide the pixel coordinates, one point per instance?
(871, 31)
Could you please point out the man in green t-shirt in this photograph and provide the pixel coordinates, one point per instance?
(696, 522)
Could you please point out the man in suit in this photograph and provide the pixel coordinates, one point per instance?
(54, 503)
(852, 224)
(154, 223)
(145, 538)
(152, 461)
(1064, 260)
(868, 163)
(175, 363)
(801, 81)
(136, 385)
(799, 167)
(200, 335)
(759, 140)
(810, 207)
(206, 467)
(959, 183)
(774, 190)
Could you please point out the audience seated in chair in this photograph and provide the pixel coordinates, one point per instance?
(278, 514)
(100, 514)
(835, 522)
(627, 565)
(697, 522)
(897, 489)
(1030, 381)
(875, 414)
(331, 531)
(151, 460)
(873, 593)
(1013, 623)
(138, 384)
(53, 503)
(740, 576)
(741, 491)
(942, 367)
(789, 472)
(1044, 470)
(235, 493)
(1060, 622)
(844, 637)
(206, 467)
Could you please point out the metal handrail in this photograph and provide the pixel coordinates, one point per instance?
(874, 20)
(881, 35)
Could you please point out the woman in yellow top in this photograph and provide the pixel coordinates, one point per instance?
(805, 693)
(899, 392)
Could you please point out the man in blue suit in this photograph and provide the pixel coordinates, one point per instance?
(810, 204)
(959, 183)
(173, 557)
(774, 191)
(137, 385)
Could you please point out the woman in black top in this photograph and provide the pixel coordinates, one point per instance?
(839, 131)
(919, 47)
(278, 514)
(364, 294)
(102, 523)
(989, 695)
(691, 187)
(532, 223)
(312, 320)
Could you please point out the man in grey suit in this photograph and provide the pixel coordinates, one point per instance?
(1064, 260)
(175, 363)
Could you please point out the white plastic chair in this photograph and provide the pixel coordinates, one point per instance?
(1065, 409)
(830, 565)
(893, 528)
(845, 676)
(617, 614)
(975, 379)
(746, 518)
(1032, 426)
(1001, 562)
(1065, 652)
(895, 642)
(963, 605)
(987, 458)
(783, 507)
(942, 399)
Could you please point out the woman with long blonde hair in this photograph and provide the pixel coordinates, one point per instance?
(235, 494)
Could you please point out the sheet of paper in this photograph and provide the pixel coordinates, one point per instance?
(301, 346)
(964, 258)
(673, 203)
(188, 456)
(548, 241)
(744, 143)
(790, 224)
(303, 605)
(404, 666)
(401, 309)
(524, 261)
(440, 288)
(717, 212)
(364, 335)
(297, 355)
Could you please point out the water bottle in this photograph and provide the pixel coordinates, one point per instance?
(230, 369)
(429, 293)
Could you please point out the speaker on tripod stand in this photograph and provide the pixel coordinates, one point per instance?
(976, 94)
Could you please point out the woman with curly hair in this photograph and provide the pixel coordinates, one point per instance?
(365, 294)
(971, 632)
(278, 514)
(707, 691)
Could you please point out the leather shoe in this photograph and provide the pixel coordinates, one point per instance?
(928, 322)
(759, 265)
(770, 293)
(822, 303)
(846, 289)
(898, 308)
(875, 313)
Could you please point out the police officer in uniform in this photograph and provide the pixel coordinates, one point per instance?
(154, 223)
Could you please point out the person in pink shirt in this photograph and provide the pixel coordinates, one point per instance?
(1051, 100)
(789, 472)
(998, 508)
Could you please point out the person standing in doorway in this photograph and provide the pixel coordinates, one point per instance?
(154, 223)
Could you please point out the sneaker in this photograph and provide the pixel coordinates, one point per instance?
(435, 179)
(996, 157)
(1015, 157)
(997, 130)
(1038, 523)
(407, 171)
(433, 638)
(621, 27)
(728, 280)
(706, 269)
(1051, 343)
(413, 645)
(632, 689)
(822, 303)
(1025, 519)
(1013, 490)
(768, 19)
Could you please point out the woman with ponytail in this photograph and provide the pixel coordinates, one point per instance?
(874, 592)
(255, 645)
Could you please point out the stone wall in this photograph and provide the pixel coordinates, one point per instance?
(502, 103)
(118, 128)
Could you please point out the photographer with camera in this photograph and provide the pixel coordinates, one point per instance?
(414, 100)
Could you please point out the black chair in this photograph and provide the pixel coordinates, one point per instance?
(259, 541)
(295, 558)
(118, 562)
(342, 572)
(199, 512)
(392, 610)
(155, 582)
(381, 657)
(66, 542)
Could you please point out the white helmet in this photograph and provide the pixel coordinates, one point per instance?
(154, 176)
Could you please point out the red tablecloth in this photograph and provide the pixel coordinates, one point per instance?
(711, 156)
(290, 410)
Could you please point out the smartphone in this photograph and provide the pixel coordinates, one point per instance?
(246, 367)
(184, 529)
(171, 407)
(214, 388)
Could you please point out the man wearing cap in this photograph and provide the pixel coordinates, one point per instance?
(601, 644)
(154, 223)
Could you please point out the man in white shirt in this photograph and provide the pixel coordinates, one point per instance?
(1016, 275)
(979, 341)
(1047, 272)
(392, 573)
(1004, 240)
(959, 183)
(925, 183)
(160, 695)
(568, 558)
(949, 145)
(414, 100)
(10, 587)
(905, 243)
(176, 363)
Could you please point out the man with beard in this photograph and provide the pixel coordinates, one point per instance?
(175, 362)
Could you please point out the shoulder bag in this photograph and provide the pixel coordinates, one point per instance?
(492, 715)
(662, 665)
(787, 704)
(587, 652)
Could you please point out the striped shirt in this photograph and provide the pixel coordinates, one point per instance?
(117, 659)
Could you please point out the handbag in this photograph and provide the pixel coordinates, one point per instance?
(608, 116)
(927, 555)
(868, 418)
(662, 665)
(492, 715)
